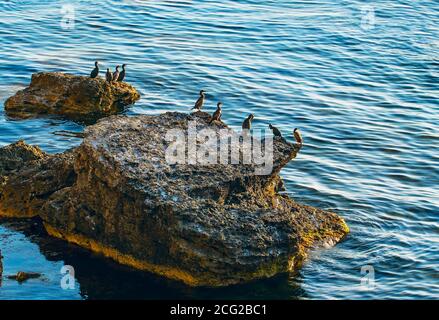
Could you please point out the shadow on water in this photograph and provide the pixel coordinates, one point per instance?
(82, 120)
(102, 278)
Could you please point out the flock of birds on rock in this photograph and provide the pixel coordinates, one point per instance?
(246, 125)
(1, 266)
(116, 76)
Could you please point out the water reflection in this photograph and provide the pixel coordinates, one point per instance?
(101, 278)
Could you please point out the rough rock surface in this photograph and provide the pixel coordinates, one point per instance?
(28, 176)
(76, 97)
(22, 276)
(210, 225)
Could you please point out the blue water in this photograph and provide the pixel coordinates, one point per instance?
(360, 79)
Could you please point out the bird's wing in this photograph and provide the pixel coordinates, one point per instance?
(214, 117)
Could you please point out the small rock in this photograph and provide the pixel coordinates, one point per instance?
(23, 276)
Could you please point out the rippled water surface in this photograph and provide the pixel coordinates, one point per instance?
(362, 83)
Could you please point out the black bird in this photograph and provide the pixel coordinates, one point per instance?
(116, 74)
(298, 136)
(217, 114)
(200, 102)
(95, 71)
(122, 74)
(275, 130)
(247, 124)
(109, 75)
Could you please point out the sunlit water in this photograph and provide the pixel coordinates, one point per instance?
(362, 86)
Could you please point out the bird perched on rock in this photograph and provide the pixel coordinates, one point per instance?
(95, 71)
(298, 136)
(217, 114)
(247, 124)
(1, 266)
(116, 74)
(200, 102)
(109, 75)
(122, 73)
(275, 130)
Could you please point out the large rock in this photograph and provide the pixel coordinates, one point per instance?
(75, 97)
(210, 225)
(15, 156)
(1, 267)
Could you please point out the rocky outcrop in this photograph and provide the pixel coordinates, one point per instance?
(28, 176)
(15, 156)
(75, 97)
(206, 225)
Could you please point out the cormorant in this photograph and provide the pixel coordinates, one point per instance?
(109, 75)
(122, 74)
(247, 124)
(200, 102)
(95, 71)
(116, 74)
(217, 114)
(275, 130)
(298, 136)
